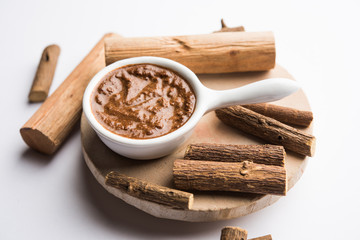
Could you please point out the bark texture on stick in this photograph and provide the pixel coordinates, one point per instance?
(228, 176)
(233, 233)
(44, 74)
(208, 53)
(149, 191)
(267, 129)
(225, 28)
(283, 114)
(53, 121)
(266, 237)
(261, 154)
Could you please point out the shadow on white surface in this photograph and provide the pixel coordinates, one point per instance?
(123, 218)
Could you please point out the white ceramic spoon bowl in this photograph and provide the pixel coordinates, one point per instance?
(206, 100)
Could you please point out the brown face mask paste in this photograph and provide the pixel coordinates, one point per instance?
(142, 101)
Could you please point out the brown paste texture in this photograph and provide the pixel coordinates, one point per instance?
(142, 101)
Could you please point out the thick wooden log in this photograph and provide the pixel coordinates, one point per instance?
(268, 129)
(208, 53)
(262, 154)
(228, 176)
(233, 233)
(149, 191)
(266, 237)
(47, 129)
(283, 114)
(44, 74)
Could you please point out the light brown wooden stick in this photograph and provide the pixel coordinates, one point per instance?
(44, 74)
(46, 130)
(261, 154)
(233, 233)
(149, 191)
(283, 114)
(225, 28)
(268, 129)
(228, 176)
(207, 53)
(267, 237)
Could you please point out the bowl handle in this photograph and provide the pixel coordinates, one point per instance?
(262, 91)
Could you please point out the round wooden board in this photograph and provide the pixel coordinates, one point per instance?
(207, 206)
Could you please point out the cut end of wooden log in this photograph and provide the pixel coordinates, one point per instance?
(37, 96)
(37, 140)
(233, 233)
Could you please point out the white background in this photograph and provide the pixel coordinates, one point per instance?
(57, 198)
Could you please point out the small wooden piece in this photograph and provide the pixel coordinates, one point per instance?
(233, 233)
(261, 154)
(149, 191)
(228, 176)
(283, 114)
(225, 28)
(44, 74)
(268, 129)
(208, 53)
(46, 130)
(266, 237)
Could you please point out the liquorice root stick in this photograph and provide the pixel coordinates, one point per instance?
(268, 129)
(44, 74)
(283, 114)
(149, 191)
(225, 28)
(233, 233)
(261, 154)
(266, 237)
(228, 176)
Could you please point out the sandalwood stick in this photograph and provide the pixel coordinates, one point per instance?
(53, 121)
(267, 129)
(44, 74)
(208, 53)
(233, 233)
(266, 237)
(225, 28)
(283, 114)
(262, 154)
(149, 191)
(228, 176)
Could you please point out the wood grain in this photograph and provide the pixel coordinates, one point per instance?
(229, 176)
(261, 154)
(44, 74)
(268, 129)
(208, 53)
(47, 129)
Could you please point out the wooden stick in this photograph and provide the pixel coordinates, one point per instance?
(266, 237)
(283, 114)
(261, 154)
(149, 191)
(233, 233)
(208, 53)
(46, 130)
(225, 28)
(44, 74)
(267, 129)
(228, 176)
